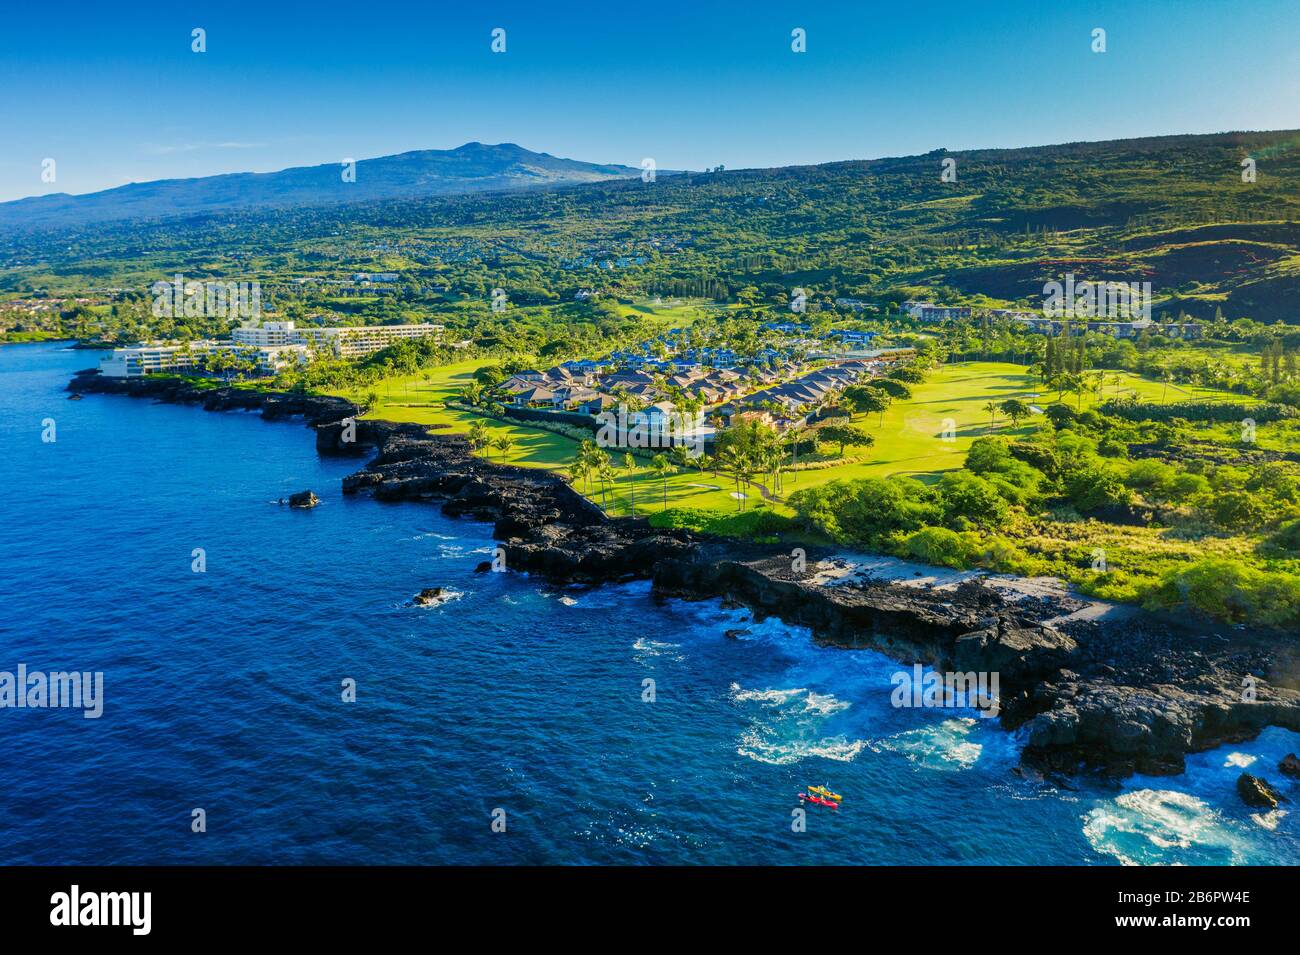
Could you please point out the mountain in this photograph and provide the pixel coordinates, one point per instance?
(1211, 221)
(474, 167)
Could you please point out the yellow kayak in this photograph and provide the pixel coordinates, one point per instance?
(823, 791)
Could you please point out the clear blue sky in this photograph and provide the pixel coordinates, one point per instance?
(112, 92)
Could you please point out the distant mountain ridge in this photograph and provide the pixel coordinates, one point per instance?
(473, 167)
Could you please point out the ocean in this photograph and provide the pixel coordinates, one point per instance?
(511, 725)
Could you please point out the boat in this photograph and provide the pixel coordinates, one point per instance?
(823, 791)
(818, 801)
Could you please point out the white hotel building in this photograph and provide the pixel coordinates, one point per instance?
(347, 342)
(273, 345)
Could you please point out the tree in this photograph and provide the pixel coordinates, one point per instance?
(605, 474)
(845, 435)
(503, 443)
(992, 408)
(579, 470)
(663, 469)
(863, 399)
(1015, 409)
(629, 464)
(478, 433)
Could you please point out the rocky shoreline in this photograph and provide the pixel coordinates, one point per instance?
(1119, 697)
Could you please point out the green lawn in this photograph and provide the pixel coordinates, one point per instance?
(910, 440)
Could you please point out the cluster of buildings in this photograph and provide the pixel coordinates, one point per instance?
(576, 386)
(809, 390)
(929, 312)
(270, 346)
(848, 337)
(779, 389)
(1133, 329)
(1042, 325)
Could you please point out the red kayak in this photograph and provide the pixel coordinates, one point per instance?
(819, 801)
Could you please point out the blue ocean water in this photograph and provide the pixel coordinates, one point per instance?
(223, 689)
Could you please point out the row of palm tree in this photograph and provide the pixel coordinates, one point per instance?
(481, 438)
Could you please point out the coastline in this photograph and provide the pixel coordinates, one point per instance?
(1118, 697)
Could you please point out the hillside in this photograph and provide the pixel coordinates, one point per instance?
(1170, 210)
(473, 167)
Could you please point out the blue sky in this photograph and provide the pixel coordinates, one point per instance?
(114, 94)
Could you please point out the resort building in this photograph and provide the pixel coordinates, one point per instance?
(929, 312)
(345, 341)
(143, 360)
(139, 360)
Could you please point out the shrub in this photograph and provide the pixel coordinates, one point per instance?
(1159, 481)
(1287, 537)
(992, 459)
(938, 545)
(1061, 415)
(1198, 411)
(1230, 590)
(1238, 510)
(967, 497)
(868, 511)
(1095, 486)
(759, 523)
(908, 373)
(1001, 555)
(1037, 456)
(1111, 447)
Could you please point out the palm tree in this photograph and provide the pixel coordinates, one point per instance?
(793, 440)
(729, 461)
(992, 409)
(478, 433)
(744, 475)
(629, 464)
(579, 470)
(504, 442)
(605, 474)
(1078, 384)
(663, 469)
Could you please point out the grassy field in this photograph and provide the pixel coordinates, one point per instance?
(910, 440)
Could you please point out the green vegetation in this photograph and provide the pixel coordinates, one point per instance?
(1149, 468)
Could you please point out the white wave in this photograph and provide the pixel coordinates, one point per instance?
(446, 597)
(1269, 820)
(788, 727)
(771, 697)
(1160, 826)
(764, 744)
(943, 745)
(647, 649)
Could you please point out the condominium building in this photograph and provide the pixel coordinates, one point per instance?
(267, 334)
(147, 359)
(139, 360)
(929, 312)
(347, 342)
